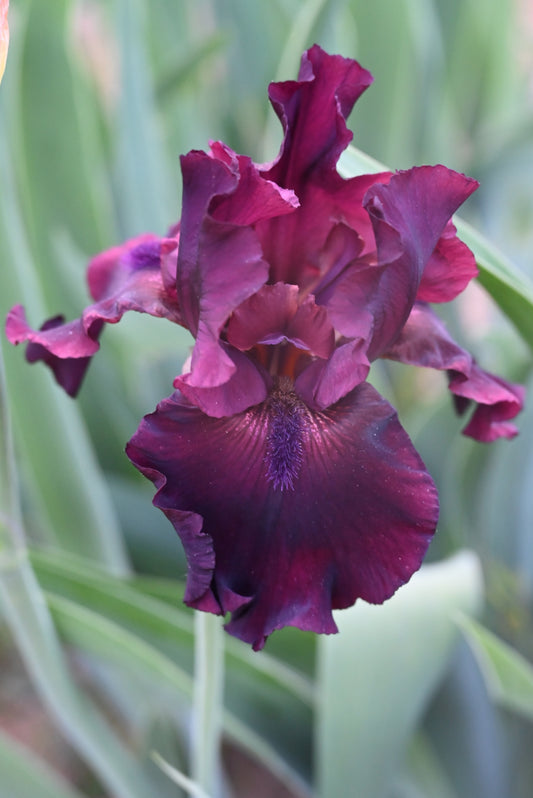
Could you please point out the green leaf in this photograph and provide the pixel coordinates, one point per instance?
(142, 663)
(147, 198)
(509, 288)
(25, 775)
(134, 625)
(377, 675)
(508, 675)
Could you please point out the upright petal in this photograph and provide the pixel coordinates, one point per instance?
(275, 314)
(313, 113)
(220, 261)
(425, 341)
(304, 512)
(409, 215)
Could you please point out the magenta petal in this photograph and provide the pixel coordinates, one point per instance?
(306, 512)
(497, 402)
(313, 110)
(409, 215)
(254, 198)
(123, 278)
(425, 341)
(449, 270)
(68, 371)
(220, 263)
(322, 384)
(275, 314)
(246, 386)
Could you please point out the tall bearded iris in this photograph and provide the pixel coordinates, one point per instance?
(289, 479)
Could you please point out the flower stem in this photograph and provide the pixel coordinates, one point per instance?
(207, 701)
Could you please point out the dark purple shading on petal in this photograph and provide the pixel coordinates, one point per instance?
(120, 279)
(425, 341)
(68, 372)
(305, 512)
(408, 215)
(220, 261)
(322, 384)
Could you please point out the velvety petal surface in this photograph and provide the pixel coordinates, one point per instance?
(121, 279)
(425, 341)
(286, 514)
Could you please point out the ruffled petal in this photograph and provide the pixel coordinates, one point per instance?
(313, 113)
(123, 278)
(409, 215)
(425, 341)
(304, 512)
(220, 261)
(322, 384)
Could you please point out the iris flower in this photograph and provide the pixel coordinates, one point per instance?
(289, 479)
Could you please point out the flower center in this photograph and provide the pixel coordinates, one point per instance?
(285, 435)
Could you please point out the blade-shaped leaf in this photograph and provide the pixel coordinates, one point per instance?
(25, 775)
(377, 675)
(145, 664)
(508, 675)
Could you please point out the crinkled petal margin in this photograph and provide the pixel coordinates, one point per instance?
(355, 524)
(425, 341)
(123, 278)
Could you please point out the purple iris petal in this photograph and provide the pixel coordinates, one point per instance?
(246, 386)
(275, 314)
(121, 279)
(68, 371)
(290, 481)
(285, 513)
(449, 270)
(424, 341)
(220, 263)
(408, 214)
(312, 111)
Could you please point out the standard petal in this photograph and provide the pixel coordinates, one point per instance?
(313, 111)
(220, 260)
(306, 512)
(425, 341)
(121, 279)
(323, 383)
(409, 215)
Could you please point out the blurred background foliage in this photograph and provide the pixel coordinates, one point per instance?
(99, 99)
